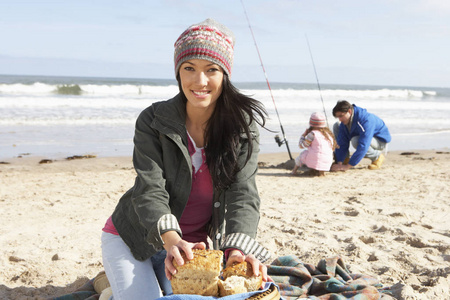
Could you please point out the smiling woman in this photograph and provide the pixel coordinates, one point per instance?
(188, 151)
(201, 82)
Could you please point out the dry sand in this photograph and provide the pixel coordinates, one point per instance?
(393, 223)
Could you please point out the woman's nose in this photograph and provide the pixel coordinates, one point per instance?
(201, 79)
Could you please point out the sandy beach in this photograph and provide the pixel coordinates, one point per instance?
(393, 224)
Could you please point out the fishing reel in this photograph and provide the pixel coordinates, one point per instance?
(279, 141)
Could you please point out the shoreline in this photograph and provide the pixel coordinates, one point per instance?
(272, 157)
(401, 142)
(393, 223)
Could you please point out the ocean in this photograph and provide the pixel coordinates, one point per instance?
(56, 117)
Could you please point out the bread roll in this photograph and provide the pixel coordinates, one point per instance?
(239, 278)
(232, 285)
(199, 276)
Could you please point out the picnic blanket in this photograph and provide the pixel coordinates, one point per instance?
(329, 280)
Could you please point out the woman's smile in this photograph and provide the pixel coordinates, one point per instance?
(200, 93)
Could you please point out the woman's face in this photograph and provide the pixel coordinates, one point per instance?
(201, 81)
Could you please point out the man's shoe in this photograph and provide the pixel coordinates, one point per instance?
(376, 164)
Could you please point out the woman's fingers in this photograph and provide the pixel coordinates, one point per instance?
(263, 270)
(258, 267)
(256, 264)
(174, 253)
(201, 246)
(169, 269)
(235, 257)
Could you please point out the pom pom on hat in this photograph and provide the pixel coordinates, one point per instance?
(207, 40)
(317, 120)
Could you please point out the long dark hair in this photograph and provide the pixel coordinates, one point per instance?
(233, 114)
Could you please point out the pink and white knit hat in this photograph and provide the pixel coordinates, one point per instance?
(207, 40)
(317, 120)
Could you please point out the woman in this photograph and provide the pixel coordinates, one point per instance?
(195, 156)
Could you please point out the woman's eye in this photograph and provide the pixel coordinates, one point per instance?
(188, 68)
(213, 70)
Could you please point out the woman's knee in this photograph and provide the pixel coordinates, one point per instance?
(129, 278)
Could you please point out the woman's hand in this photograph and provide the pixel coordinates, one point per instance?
(174, 245)
(236, 256)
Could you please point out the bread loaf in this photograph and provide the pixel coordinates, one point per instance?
(239, 278)
(199, 276)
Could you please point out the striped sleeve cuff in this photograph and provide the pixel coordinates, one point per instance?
(167, 223)
(301, 141)
(247, 245)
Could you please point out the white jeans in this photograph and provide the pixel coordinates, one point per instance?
(130, 278)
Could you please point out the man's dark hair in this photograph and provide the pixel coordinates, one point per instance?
(342, 106)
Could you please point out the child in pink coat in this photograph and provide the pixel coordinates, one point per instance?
(319, 144)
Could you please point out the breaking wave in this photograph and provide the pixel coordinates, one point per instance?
(166, 91)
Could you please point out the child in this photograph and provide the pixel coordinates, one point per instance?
(319, 143)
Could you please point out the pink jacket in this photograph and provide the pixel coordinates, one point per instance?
(319, 155)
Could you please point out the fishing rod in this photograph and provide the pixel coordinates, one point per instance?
(277, 137)
(317, 79)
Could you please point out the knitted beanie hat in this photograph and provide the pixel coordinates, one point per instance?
(207, 40)
(317, 120)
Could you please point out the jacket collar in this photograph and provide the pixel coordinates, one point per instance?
(170, 117)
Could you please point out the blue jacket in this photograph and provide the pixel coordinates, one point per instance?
(366, 126)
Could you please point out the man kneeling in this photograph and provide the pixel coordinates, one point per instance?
(367, 133)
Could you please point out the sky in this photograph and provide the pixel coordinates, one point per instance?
(383, 42)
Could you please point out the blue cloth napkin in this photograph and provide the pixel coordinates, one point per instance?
(241, 296)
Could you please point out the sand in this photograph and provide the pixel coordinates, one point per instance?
(393, 224)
